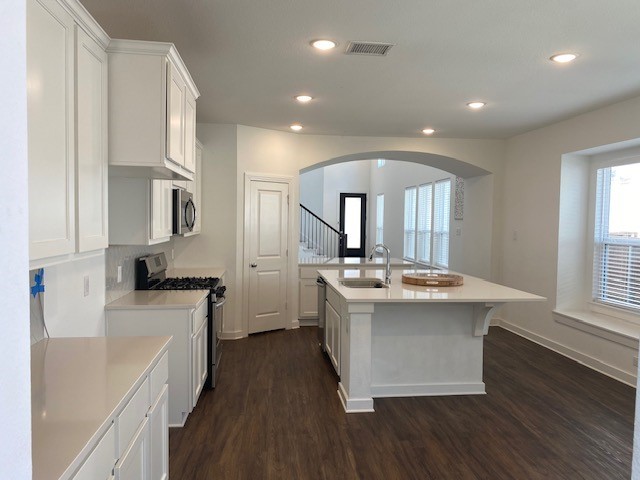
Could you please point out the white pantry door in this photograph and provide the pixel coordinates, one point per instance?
(267, 261)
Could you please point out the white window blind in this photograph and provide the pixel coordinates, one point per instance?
(380, 218)
(410, 223)
(441, 214)
(616, 256)
(425, 195)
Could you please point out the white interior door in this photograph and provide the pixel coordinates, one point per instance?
(267, 261)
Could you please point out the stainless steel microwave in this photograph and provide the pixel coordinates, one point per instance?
(184, 212)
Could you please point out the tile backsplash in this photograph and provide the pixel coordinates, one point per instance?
(125, 256)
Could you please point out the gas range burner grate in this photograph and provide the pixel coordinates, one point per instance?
(188, 283)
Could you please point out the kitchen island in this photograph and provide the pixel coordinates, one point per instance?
(409, 340)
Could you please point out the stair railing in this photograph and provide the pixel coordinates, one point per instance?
(320, 236)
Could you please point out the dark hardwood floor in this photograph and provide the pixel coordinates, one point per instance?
(276, 415)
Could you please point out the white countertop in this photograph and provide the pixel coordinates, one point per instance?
(159, 299)
(77, 385)
(196, 272)
(354, 261)
(474, 290)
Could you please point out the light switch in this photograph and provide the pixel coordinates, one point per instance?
(86, 285)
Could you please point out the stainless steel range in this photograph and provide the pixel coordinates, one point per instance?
(151, 275)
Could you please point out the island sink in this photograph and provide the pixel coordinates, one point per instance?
(363, 283)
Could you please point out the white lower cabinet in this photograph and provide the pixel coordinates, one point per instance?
(159, 430)
(99, 464)
(308, 302)
(134, 463)
(199, 361)
(332, 332)
(136, 445)
(187, 366)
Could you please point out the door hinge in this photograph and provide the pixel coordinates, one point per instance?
(287, 199)
(286, 305)
(287, 252)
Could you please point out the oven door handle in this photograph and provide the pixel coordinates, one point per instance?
(221, 303)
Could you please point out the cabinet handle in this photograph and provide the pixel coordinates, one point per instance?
(254, 265)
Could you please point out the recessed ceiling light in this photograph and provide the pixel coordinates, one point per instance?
(428, 131)
(563, 57)
(296, 127)
(476, 105)
(304, 98)
(323, 44)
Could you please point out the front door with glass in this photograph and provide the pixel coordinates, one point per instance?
(353, 219)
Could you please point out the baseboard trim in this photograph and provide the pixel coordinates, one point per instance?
(235, 335)
(427, 390)
(565, 351)
(308, 322)
(354, 405)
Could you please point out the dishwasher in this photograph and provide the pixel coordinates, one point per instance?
(322, 295)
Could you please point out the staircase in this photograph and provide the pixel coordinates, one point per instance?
(318, 239)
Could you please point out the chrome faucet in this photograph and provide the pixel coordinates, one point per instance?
(387, 278)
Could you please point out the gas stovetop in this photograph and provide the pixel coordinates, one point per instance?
(188, 283)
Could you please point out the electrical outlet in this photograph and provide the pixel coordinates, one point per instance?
(173, 256)
(119, 279)
(458, 231)
(86, 285)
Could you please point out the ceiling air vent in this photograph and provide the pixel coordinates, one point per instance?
(376, 49)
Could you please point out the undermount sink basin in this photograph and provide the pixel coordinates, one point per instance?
(362, 283)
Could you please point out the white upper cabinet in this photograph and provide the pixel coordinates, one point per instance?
(91, 144)
(67, 127)
(176, 118)
(50, 92)
(150, 123)
(190, 132)
(140, 211)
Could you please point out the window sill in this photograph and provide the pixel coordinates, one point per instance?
(600, 325)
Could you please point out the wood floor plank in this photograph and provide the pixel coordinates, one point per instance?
(275, 414)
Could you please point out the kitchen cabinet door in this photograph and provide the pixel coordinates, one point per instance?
(161, 209)
(51, 122)
(199, 357)
(332, 332)
(91, 144)
(159, 434)
(176, 101)
(190, 131)
(308, 302)
(134, 463)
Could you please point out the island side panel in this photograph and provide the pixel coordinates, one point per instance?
(354, 388)
(425, 349)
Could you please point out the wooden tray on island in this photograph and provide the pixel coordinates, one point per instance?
(429, 279)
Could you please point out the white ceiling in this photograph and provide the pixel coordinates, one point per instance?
(250, 57)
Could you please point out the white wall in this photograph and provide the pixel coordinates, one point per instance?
(350, 177)
(15, 373)
(67, 312)
(532, 211)
(312, 191)
(216, 246)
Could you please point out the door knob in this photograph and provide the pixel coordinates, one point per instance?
(254, 265)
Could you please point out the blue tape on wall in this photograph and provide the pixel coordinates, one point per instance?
(38, 286)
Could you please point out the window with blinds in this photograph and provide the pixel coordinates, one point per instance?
(410, 223)
(441, 213)
(616, 252)
(425, 204)
(380, 218)
(426, 223)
